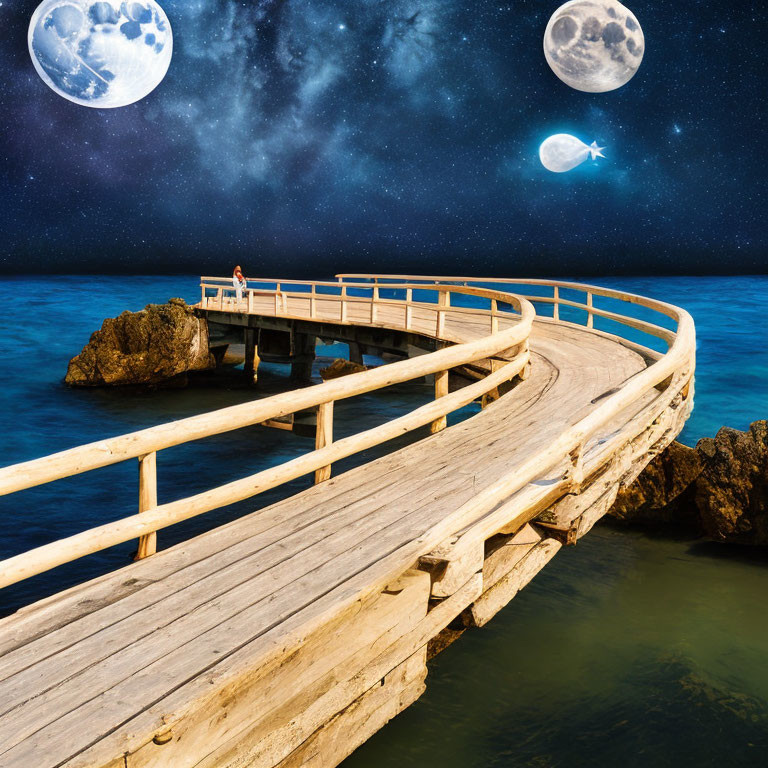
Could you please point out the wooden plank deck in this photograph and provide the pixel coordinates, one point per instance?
(91, 675)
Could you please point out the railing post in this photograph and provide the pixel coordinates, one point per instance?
(147, 501)
(344, 304)
(556, 305)
(444, 300)
(441, 390)
(324, 437)
(250, 302)
(313, 302)
(590, 316)
(277, 299)
(494, 316)
(202, 297)
(493, 394)
(220, 297)
(408, 308)
(374, 299)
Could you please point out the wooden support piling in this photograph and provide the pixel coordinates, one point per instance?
(251, 363)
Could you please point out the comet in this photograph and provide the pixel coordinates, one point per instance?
(563, 152)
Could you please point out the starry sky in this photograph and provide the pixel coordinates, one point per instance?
(303, 137)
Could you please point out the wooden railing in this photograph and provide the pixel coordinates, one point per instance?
(143, 445)
(218, 294)
(581, 449)
(556, 300)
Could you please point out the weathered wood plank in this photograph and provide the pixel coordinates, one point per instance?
(497, 596)
(329, 745)
(570, 378)
(271, 699)
(271, 739)
(502, 553)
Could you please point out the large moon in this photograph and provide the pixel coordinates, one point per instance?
(100, 53)
(594, 45)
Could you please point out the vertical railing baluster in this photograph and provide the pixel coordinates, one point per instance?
(344, 304)
(556, 305)
(590, 316)
(444, 300)
(147, 501)
(408, 308)
(494, 316)
(220, 297)
(277, 299)
(313, 302)
(250, 302)
(374, 305)
(324, 437)
(441, 390)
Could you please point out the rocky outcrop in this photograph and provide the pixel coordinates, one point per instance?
(720, 488)
(732, 489)
(160, 344)
(663, 492)
(341, 367)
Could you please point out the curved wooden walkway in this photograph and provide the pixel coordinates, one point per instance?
(250, 644)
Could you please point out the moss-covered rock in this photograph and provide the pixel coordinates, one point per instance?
(157, 345)
(720, 488)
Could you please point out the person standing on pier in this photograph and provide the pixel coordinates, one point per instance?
(239, 284)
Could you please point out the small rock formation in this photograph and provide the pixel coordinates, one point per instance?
(663, 491)
(719, 489)
(732, 489)
(158, 345)
(341, 367)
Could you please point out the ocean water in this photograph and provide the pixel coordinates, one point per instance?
(649, 651)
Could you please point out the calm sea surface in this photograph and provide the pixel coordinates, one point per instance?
(626, 650)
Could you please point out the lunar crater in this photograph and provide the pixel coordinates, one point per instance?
(594, 45)
(100, 54)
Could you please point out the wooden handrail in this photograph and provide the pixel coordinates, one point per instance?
(147, 442)
(569, 448)
(429, 282)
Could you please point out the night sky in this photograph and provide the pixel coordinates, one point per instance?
(307, 136)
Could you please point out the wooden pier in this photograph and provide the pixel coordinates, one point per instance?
(289, 636)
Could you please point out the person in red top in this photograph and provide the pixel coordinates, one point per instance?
(239, 283)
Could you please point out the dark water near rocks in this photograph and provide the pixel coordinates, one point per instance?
(627, 649)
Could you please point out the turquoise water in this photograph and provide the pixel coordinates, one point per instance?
(625, 649)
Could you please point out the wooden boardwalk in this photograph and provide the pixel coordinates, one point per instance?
(289, 636)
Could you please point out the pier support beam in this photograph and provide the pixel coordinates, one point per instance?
(355, 353)
(251, 365)
(302, 356)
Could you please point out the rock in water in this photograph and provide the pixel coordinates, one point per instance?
(720, 488)
(663, 491)
(160, 343)
(732, 490)
(341, 367)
